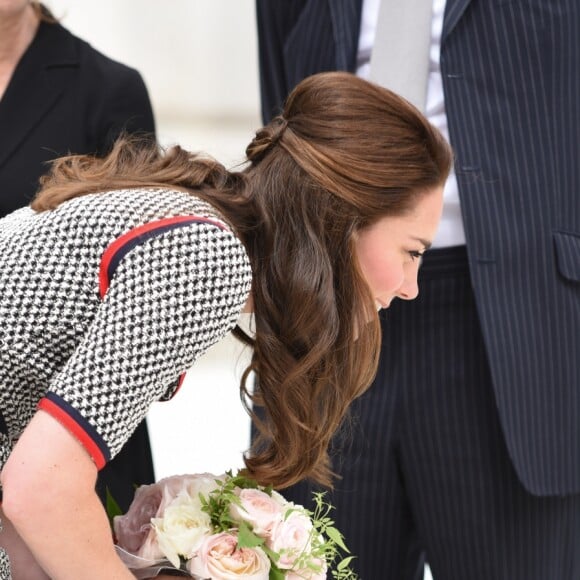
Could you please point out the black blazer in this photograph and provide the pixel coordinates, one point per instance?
(512, 90)
(63, 97)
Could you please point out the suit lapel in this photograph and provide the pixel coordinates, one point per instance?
(41, 76)
(454, 10)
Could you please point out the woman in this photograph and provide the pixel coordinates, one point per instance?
(144, 260)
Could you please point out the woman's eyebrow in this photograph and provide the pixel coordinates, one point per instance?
(426, 243)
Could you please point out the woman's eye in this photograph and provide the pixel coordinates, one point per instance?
(416, 255)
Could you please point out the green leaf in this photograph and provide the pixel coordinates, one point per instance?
(336, 537)
(345, 563)
(276, 574)
(112, 507)
(247, 538)
(274, 556)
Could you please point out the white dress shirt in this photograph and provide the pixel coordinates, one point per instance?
(451, 231)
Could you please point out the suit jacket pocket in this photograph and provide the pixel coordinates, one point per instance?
(568, 255)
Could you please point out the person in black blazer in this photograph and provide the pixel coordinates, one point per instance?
(467, 448)
(62, 96)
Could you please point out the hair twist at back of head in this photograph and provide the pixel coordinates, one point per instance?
(266, 138)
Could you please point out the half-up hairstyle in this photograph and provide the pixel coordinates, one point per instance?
(343, 154)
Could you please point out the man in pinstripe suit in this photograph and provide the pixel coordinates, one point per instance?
(467, 448)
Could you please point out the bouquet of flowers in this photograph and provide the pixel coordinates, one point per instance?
(227, 528)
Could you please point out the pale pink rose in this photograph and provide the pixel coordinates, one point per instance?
(173, 486)
(319, 573)
(219, 558)
(258, 509)
(290, 538)
(134, 531)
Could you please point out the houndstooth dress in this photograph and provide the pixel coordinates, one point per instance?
(5, 573)
(104, 303)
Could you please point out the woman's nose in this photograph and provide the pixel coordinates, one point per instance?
(409, 290)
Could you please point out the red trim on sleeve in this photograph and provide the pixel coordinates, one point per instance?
(75, 429)
(121, 241)
(179, 383)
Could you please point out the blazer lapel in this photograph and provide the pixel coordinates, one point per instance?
(41, 76)
(454, 10)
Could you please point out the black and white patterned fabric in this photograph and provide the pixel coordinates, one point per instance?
(5, 573)
(104, 303)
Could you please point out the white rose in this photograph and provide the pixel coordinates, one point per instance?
(203, 483)
(182, 528)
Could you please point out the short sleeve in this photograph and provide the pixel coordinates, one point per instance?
(170, 299)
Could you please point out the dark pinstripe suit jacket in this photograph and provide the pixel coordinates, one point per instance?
(511, 73)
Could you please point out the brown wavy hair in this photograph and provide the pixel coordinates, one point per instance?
(343, 154)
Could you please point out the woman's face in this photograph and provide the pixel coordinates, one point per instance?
(389, 251)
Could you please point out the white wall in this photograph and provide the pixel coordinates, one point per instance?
(199, 61)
